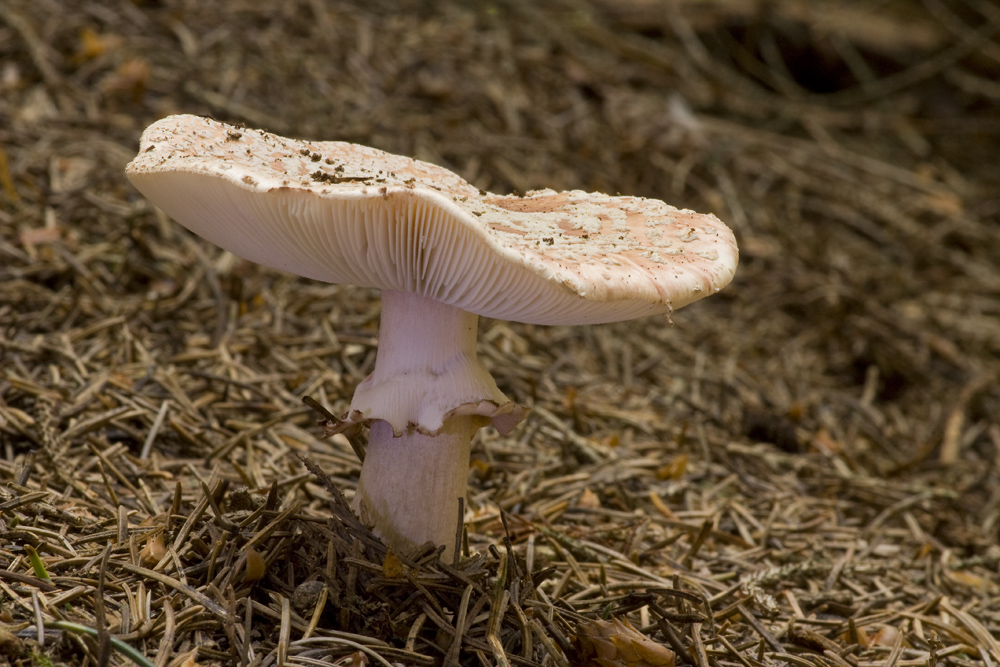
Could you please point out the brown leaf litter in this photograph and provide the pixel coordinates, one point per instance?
(800, 471)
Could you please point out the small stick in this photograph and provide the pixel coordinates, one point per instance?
(317, 613)
(285, 631)
(167, 641)
(100, 619)
(672, 638)
(411, 637)
(760, 629)
(154, 430)
(451, 658)
(458, 530)
(699, 645)
(247, 627)
(350, 432)
(39, 619)
(706, 529)
(497, 611)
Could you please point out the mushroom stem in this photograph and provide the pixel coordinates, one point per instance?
(410, 484)
(426, 366)
(425, 401)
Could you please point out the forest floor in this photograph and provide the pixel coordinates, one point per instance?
(802, 470)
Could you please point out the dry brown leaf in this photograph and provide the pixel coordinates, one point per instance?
(673, 470)
(588, 500)
(886, 636)
(256, 568)
(154, 551)
(392, 567)
(93, 45)
(616, 643)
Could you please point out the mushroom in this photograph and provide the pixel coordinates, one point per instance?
(443, 253)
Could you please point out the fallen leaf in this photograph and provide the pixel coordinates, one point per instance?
(616, 643)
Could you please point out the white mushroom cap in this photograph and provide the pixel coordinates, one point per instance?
(343, 213)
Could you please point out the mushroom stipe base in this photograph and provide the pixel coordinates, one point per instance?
(425, 400)
(411, 484)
